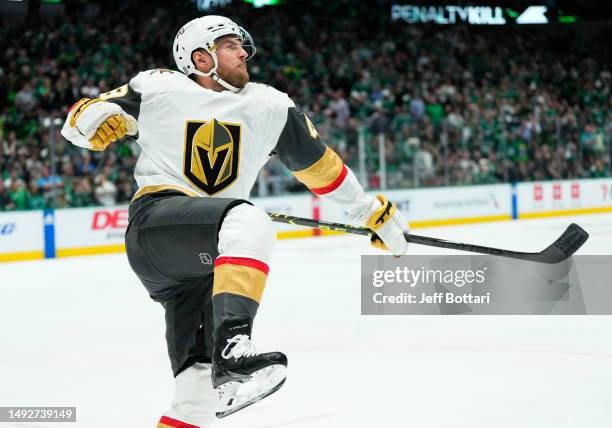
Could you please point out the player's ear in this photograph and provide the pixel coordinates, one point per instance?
(201, 60)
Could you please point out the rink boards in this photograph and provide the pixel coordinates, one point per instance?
(98, 230)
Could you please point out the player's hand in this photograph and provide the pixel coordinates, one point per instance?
(389, 225)
(94, 124)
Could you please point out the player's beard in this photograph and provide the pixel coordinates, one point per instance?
(235, 76)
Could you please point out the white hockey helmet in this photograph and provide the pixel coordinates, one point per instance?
(201, 33)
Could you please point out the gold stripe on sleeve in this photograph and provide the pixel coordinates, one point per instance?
(323, 172)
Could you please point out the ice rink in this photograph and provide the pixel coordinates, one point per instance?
(82, 332)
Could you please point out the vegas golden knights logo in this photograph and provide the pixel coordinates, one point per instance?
(212, 154)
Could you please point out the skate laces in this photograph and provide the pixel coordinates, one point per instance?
(242, 347)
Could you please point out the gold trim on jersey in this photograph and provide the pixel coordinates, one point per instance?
(158, 188)
(211, 157)
(311, 129)
(119, 92)
(323, 172)
(238, 279)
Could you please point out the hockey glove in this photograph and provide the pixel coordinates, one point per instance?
(94, 124)
(389, 225)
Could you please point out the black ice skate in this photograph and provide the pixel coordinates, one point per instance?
(240, 375)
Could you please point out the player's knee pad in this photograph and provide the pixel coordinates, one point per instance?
(195, 399)
(247, 232)
(246, 239)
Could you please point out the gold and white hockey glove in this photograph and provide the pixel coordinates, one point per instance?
(389, 225)
(94, 124)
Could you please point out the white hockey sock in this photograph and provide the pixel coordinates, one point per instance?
(194, 402)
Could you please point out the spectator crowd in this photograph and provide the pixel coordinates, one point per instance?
(454, 105)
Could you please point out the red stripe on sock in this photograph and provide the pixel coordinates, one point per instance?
(333, 185)
(175, 423)
(243, 261)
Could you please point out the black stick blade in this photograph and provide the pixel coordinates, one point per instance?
(567, 244)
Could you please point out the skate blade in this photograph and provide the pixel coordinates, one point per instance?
(235, 396)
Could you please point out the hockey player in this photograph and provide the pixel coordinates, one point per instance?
(196, 243)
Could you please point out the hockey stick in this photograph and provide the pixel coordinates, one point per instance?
(566, 245)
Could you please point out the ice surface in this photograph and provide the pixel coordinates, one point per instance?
(83, 332)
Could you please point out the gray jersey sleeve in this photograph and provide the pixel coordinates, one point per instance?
(126, 97)
(299, 144)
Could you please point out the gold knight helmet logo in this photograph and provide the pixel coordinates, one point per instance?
(212, 154)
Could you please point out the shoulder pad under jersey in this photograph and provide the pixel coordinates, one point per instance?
(161, 80)
(267, 93)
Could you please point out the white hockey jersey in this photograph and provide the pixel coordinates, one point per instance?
(205, 143)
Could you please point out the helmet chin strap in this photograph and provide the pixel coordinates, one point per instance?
(214, 76)
(223, 83)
